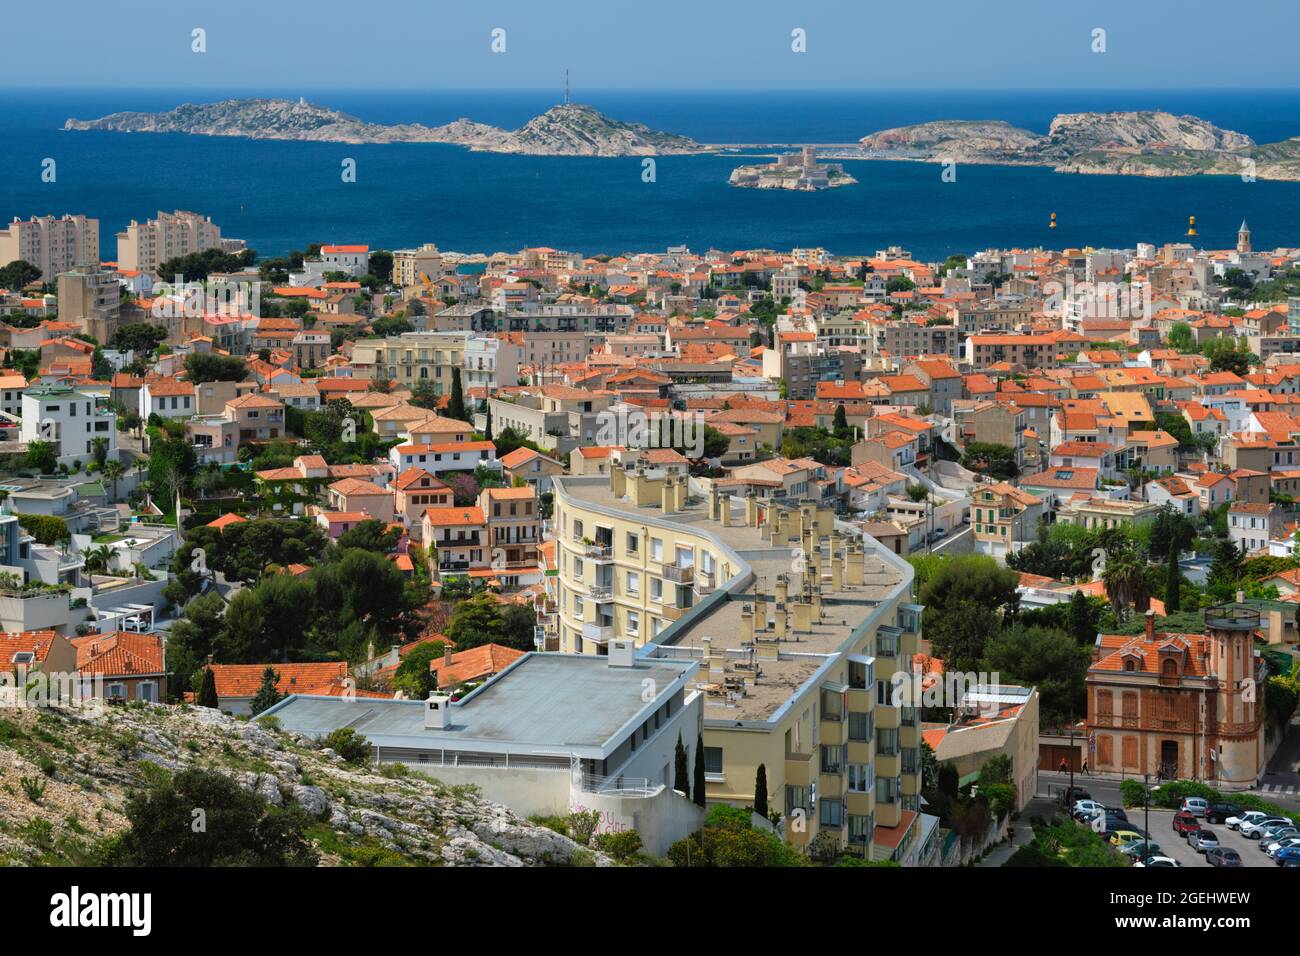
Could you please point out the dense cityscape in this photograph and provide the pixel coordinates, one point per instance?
(697, 557)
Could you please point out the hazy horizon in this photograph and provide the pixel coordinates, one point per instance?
(673, 45)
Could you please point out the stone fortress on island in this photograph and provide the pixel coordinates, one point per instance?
(793, 171)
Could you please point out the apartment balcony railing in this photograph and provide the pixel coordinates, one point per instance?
(599, 552)
(601, 592)
(601, 633)
(671, 612)
(678, 574)
(705, 584)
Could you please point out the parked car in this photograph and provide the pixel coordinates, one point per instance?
(1139, 848)
(1241, 819)
(1158, 861)
(1222, 856)
(1288, 857)
(1073, 795)
(1221, 812)
(1124, 835)
(1185, 822)
(1085, 808)
(1117, 812)
(1275, 835)
(1197, 805)
(1253, 831)
(1202, 840)
(1281, 844)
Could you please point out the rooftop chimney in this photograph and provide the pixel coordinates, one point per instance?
(1151, 624)
(668, 495)
(437, 712)
(622, 653)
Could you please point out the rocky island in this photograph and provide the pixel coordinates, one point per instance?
(570, 129)
(1139, 143)
(792, 171)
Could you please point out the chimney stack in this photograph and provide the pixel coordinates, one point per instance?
(778, 626)
(746, 623)
(669, 495)
(782, 588)
(1151, 624)
(437, 712)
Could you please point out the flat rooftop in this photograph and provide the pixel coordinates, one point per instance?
(556, 703)
(802, 653)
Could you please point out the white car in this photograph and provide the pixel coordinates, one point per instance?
(1252, 816)
(1084, 809)
(1253, 831)
(1158, 861)
(1282, 844)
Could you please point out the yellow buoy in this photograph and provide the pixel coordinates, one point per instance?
(1191, 225)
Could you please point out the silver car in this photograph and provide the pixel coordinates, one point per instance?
(1202, 840)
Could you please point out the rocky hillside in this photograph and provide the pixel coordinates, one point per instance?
(66, 774)
(1136, 143)
(567, 130)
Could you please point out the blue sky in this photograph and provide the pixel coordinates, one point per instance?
(652, 44)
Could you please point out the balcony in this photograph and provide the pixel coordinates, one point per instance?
(671, 612)
(600, 553)
(600, 633)
(704, 584)
(678, 574)
(601, 593)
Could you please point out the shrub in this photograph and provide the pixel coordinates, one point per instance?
(622, 846)
(581, 824)
(348, 744)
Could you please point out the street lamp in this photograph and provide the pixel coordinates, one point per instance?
(1146, 814)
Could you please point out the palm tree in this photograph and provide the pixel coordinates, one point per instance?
(1127, 582)
(97, 559)
(113, 470)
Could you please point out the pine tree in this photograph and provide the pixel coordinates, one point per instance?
(841, 421)
(208, 692)
(699, 771)
(681, 776)
(456, 405)
(760, 790)
(1173, 585)
(267, 696)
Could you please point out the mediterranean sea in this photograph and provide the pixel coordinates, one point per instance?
(284, 195)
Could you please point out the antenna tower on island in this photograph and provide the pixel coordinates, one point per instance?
(566, 86)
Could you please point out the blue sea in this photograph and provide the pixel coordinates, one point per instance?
(283, 195)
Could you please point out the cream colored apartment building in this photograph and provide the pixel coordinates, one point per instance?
(51, 245)
(414, 358)
(146, 245)
(799, 624)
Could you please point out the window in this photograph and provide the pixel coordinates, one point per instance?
(633, 582)
(713, 760)
(832, 813)
(656, 549)
(861, 726)
(861, 777)
(633, 623)
(633, 543)
(656, 589)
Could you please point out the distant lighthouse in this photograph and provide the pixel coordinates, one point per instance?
(1243, 238)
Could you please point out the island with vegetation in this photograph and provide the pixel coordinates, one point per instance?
(569, 129)
(1136, 143)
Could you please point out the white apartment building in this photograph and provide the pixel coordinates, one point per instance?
(147, 245)
(491, 362)
(51, 245)
(68, 418)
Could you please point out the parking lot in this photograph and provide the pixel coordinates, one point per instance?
(1175, 844)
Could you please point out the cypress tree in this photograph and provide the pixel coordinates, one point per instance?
(699, 771)
(487, 429)
(841, 421)
(681, 775)
(760, 790)
(1081, 628)
(208, 691)
(456, 405)
(1173, 585)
